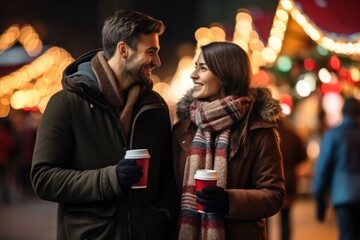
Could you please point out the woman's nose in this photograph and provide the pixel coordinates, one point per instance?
(194, 75)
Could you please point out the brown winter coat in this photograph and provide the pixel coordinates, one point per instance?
(255, 184)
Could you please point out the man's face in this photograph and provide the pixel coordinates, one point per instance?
(144, 59)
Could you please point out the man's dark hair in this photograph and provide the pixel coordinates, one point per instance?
(126, 25)
(351, 107)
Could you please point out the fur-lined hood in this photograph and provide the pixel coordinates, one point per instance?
(266, 107)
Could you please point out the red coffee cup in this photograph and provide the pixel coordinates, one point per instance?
(204, 178)
(141, 157)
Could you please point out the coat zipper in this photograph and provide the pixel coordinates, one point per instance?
(142, 109)
(129, 146)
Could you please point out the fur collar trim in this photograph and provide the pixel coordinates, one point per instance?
(265, 106)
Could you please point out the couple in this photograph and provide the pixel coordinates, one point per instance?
(107, 106)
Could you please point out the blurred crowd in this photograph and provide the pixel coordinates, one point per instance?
(17, 138)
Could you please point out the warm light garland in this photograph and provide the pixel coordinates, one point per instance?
(26, 35)
(336, 43)
(31, 86)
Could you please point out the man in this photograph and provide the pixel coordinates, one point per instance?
(107, 106)
(337, 172)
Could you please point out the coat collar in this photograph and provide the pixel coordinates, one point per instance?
(265, 108)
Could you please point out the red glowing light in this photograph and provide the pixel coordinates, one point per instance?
(334, 62)
(309, 64)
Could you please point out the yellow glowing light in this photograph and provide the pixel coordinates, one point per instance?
(269, 55)
(202, 32)
(275, 43)
(282, 15)
(256, 45)
(4, 110)
(218, 33)
(355, 74)
(286, 4)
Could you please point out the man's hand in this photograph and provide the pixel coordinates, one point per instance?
(128, 172)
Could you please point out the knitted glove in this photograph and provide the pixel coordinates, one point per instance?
(128, 172)
(214, 199)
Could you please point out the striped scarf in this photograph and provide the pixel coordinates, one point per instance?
(215, 117)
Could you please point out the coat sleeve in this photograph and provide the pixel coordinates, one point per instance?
(262, 191)
(52, 173)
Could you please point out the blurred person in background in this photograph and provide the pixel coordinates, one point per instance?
(7, 146)
(25, 127)
(106, 107)
(337, 172)
(225, 125)
(294, 154)
(28, 137)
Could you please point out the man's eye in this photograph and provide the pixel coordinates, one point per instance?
(152, 52)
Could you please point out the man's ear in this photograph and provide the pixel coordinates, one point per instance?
(122, 48)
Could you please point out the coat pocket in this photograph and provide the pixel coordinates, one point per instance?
(158, 223)
(85, 222)
(78, 226)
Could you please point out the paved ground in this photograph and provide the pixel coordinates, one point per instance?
(30, 219)
(305, 227)
(34, 219)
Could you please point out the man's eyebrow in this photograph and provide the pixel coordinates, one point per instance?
(154, 48)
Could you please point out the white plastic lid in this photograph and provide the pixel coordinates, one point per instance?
(206, 174)
(137, 153)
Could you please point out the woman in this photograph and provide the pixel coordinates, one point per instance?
(225, 125)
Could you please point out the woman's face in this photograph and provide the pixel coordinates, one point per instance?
(206, 84)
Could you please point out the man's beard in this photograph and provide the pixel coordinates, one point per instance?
(137, 74)
(138, 77)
